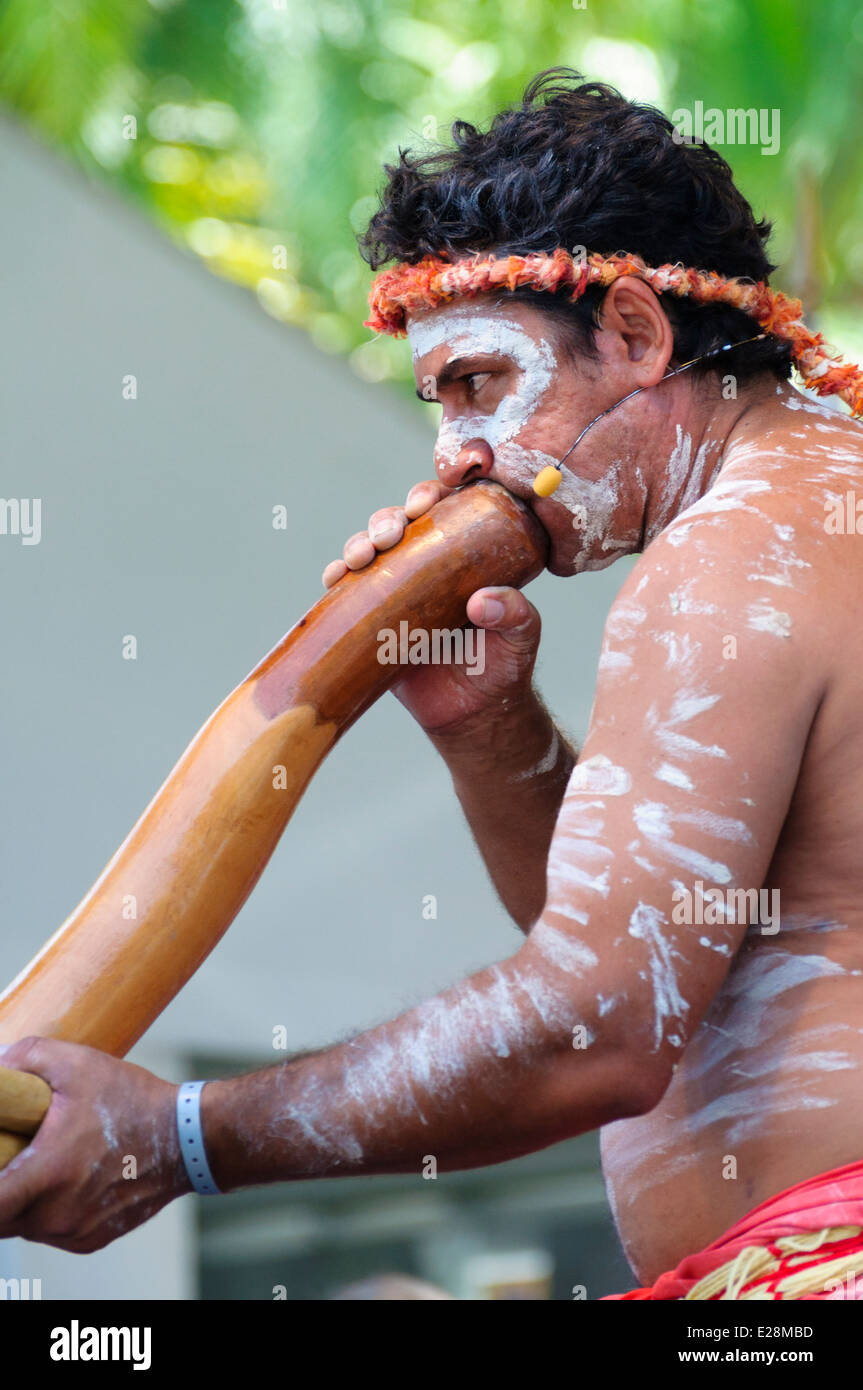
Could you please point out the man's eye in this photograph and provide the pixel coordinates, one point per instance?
(476, 381)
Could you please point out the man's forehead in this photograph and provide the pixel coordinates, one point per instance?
(486, 326)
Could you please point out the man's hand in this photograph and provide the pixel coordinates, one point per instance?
(509, 764)
(449, 697)
(106, 1157)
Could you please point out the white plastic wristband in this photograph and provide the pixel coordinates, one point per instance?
(192, 1138)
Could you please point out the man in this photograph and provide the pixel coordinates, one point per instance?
(657, 993)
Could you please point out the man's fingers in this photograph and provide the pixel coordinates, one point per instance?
(506, 611)
(386, 527)
(335, 570)
(33, 1057)
(20, 1055)
(22, 1182)
(358, 551)
(50, 1058)
(423, 496)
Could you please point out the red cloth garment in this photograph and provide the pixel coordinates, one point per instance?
(829, 1200)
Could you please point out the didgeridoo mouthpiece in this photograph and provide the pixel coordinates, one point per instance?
(188, 865)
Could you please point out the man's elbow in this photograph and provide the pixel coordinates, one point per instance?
(608, 1081)
(603, 1065)
(641, 1068)
(640, 1084)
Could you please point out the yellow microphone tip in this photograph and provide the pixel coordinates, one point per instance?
(547, 481)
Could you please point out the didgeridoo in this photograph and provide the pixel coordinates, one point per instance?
(188, 865)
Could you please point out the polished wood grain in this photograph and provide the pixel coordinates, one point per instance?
(189, 864)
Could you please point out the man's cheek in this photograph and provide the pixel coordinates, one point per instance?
(518, 464)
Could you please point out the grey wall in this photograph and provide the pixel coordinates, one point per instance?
(157, 522)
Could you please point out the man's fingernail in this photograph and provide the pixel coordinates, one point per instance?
(492, 610)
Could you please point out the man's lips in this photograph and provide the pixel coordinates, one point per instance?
(528, 499)
(521, 491)
(477, 453)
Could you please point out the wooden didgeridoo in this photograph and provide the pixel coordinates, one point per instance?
(188, 865)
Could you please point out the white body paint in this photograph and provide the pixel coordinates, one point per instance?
(655, 823)
(563, 949)
(763, 617)
(599, 776)
(545, 764)
(648, 924)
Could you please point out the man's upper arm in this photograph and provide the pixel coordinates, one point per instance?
(706, 693)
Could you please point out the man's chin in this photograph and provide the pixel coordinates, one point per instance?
(558, 564)
(563, 564)
(561, 569)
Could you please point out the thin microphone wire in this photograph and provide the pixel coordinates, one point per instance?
(714, 352)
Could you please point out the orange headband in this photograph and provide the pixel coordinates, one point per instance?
(405, 289)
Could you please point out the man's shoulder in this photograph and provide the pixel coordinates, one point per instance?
(785, 477)
(744, 564)
(773, 516)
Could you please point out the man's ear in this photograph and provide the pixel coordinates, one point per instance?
(640, 334)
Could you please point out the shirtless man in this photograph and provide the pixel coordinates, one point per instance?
(725, 709)
(718, 1048)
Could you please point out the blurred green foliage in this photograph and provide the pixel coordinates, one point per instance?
(254, 131)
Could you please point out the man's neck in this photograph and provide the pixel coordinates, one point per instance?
(691, 450)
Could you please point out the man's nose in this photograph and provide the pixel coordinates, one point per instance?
(474, 460)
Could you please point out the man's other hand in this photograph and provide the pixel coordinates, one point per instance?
(106, 1157)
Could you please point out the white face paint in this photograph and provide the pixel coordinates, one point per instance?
(470, 334)
(592, 503)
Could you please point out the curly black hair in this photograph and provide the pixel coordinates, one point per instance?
(577, 165)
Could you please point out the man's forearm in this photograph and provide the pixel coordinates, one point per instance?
(510, 776)
(480, 1074)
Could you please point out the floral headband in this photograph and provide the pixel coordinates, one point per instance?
(404, 289)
